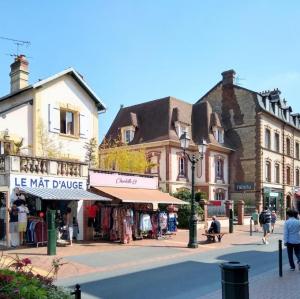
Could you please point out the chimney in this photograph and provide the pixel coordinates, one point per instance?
(228, 77)
(19, 73)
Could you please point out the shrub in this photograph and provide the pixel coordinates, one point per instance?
(18, 281)
(184, 211)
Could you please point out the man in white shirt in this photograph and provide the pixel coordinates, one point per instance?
(292, 237)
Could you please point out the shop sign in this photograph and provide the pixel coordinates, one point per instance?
(46, 182)
(273, 194)
(120, 180)
(245, 186)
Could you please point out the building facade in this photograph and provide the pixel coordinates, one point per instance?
(265, 135)
(52, 117)
(156, 127)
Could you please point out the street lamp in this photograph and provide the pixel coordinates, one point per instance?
(184, 143)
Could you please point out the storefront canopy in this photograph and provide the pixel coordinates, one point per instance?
(135, 195)
(63, 194)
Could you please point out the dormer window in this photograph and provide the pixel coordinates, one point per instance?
(219, 134)
(128, 134)
(181, 128)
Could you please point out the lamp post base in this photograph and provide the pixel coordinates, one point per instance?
(193, 245)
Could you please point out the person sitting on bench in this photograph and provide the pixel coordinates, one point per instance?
(215, 228)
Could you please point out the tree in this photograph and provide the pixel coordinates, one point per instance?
(114, 155)
(18, 145)
(91, 155)
(46, 143)
(184, 211)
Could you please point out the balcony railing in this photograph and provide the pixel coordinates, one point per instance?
(42, 166)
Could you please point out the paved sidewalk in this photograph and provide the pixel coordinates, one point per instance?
(269, 285)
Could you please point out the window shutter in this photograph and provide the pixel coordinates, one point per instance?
(84, 126)
(53, 119)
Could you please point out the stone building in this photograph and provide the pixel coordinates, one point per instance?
(156, 126)
(265, 134)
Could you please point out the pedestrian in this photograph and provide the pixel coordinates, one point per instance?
(291, 237)
(69, 224)
(273, 220)
(255, 216)
(265, 222)
(215, 228)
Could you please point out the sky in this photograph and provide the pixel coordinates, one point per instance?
(131, 52)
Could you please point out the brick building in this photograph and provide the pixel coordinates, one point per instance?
(264, 168)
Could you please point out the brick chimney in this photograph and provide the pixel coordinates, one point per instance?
(19, 73)
(228, 77)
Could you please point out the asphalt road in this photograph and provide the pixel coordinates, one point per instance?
(189, 276)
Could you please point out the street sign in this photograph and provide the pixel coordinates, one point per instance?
(244, 186)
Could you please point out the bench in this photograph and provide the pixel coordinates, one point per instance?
(210, 236)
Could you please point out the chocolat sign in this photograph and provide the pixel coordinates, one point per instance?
(46, 182)
(125, 181)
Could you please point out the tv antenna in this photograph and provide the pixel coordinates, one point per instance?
(19, 43)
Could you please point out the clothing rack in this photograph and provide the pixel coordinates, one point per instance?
(43, 234)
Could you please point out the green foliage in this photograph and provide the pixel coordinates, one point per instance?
(47, 145)
(91, 155)
(184, 211)
(18, 281)
(115, 156)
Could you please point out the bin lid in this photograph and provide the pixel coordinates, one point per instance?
(234, 265)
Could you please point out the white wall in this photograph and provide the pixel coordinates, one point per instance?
(64, 92)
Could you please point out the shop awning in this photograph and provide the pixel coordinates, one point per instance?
(63, 194)
(135, 195)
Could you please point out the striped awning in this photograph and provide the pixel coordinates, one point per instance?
(63, 194)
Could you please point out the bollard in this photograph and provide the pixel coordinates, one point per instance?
(251, 226)
(77, 292)
(230, 221)
(51, 245)
(235, 284)
(280, 257)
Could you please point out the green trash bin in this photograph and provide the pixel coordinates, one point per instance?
(51, 247)
(235, 284)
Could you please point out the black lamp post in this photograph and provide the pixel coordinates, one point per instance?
(184, 142)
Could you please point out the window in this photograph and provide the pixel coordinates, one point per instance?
(276, 143)
(219, 169)
(67, 124)
(219, 135)
(267, 138)
(277, 173)
(182, 166)
(268, 171)
(288, 175)
(297, 182)
(297, 150)
(288, 146)
(219, 194)
(128, 135)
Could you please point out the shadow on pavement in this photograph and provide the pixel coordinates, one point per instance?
(188, 279)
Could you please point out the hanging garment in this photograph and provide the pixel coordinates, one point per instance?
(163, 220)
(172, 222)
(145, 223)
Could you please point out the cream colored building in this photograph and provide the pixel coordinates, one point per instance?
(156, 127)
(54, 117)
